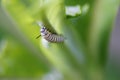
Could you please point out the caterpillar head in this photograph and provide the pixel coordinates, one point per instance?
(43, 31)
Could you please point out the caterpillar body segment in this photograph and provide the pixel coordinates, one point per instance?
(51, 37)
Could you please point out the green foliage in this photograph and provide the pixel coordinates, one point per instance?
(83, 54)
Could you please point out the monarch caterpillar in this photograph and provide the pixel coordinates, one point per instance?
(50, 37)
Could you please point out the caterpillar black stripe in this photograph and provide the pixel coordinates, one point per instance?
(51, 37)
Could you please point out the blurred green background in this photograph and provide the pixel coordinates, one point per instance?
(86, 54)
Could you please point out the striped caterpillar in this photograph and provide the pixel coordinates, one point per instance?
(51, 37)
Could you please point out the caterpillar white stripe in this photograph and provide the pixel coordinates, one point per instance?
(51, 37)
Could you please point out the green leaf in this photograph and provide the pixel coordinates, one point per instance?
(21, 56)
(82, 55)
